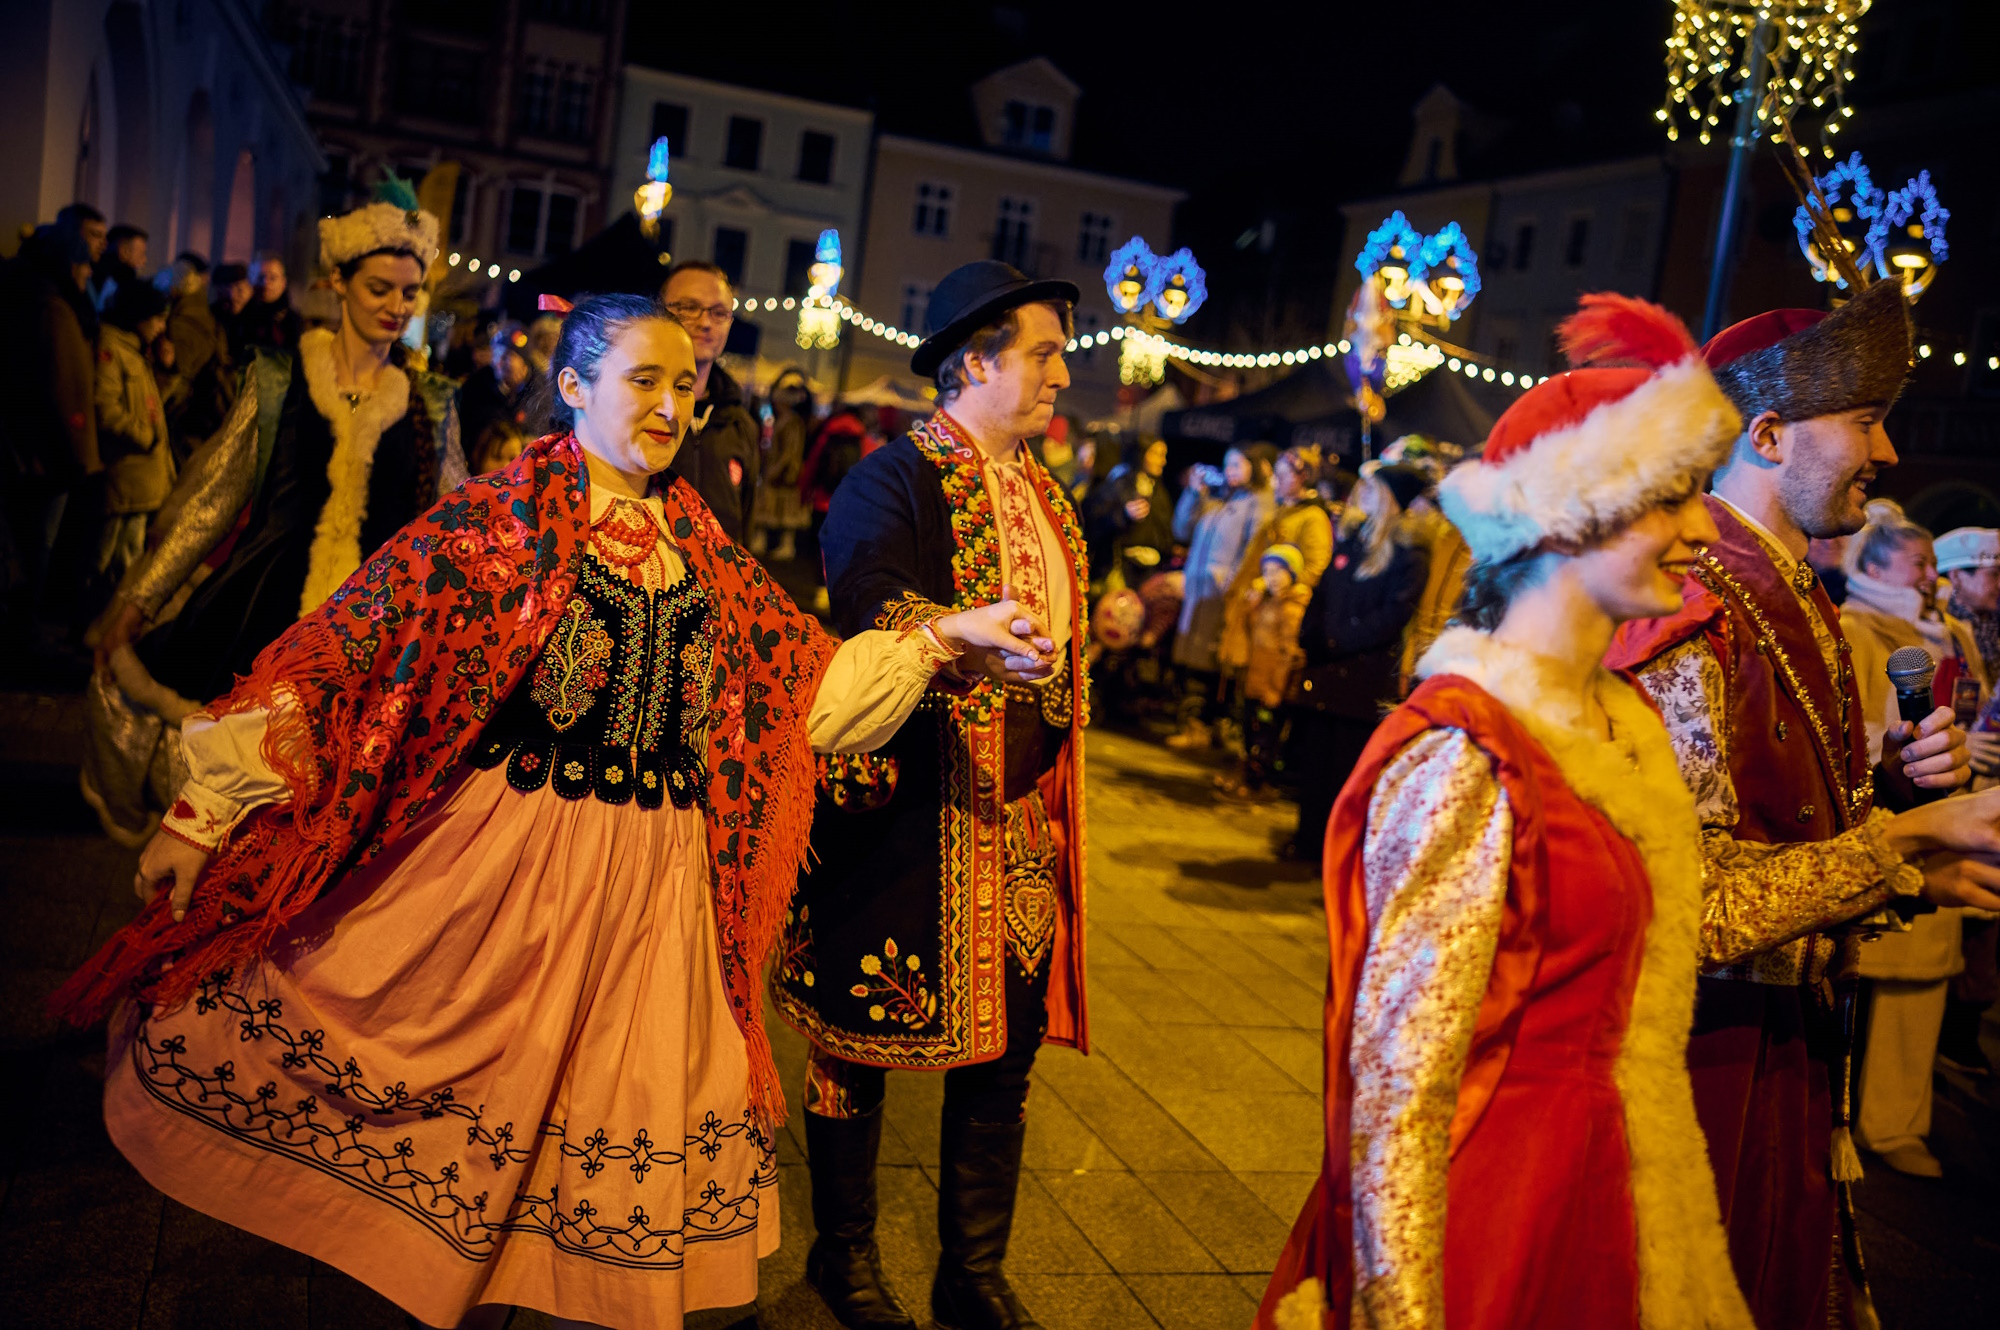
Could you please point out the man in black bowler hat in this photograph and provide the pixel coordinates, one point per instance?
(941, 926)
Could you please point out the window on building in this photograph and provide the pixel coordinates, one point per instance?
(744, 148)
(1524, 246)
(916, 306)
(471, 18)
(569, 13)
(574, 104)
(524, 220)
(461, 208)
(439, 82)
(816, 157)
(933, 217)
(670, 122)
(334, 185)
(1013, 231)
(732, 249)
(1093, 238)
(326, 51)
(798, 266)
(1025, 126)
(1635, 234)
(1576, 246)
(538, 99)
(560, 236)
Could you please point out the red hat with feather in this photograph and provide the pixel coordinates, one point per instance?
(1581, 455)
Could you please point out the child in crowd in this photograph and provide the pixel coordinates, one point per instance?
(1269, 613)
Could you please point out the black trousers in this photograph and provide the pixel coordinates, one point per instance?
(992, 1093)
(1326, 747)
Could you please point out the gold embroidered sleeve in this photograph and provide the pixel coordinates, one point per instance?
(1686, 685)
(1436, 855)
(1757, 896)
(212, 490)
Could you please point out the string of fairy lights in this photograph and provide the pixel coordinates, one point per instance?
(1409, 360)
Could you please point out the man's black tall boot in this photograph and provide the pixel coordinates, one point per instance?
(980, 1170)
(844, 1265)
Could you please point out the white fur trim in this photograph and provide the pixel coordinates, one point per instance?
(1620, 459)
(336, 547)
(1685, 1278)
(377, 226)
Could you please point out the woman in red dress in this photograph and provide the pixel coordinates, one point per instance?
(1513, 886)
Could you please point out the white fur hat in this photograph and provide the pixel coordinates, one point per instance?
(392, 222)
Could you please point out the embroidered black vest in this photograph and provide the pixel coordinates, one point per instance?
(616, 706)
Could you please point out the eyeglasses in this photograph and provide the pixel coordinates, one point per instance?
(688, 311)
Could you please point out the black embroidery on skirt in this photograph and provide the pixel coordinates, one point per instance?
(332, 1132)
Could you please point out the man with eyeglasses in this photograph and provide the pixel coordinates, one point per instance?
(720, 456)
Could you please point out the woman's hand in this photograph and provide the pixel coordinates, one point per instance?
(1002, 640)
(167, 858)
(120, 630)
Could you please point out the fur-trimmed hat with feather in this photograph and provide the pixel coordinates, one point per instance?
(1586, 452)
(391, 224)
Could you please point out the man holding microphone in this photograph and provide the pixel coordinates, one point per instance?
(1757, 689)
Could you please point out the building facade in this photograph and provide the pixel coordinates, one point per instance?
(933, 206)
(756, 176)
(519, 93)
(178, 119)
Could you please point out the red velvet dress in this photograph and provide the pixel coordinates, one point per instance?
(1488, 928)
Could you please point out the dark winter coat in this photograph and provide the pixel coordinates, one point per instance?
(729, 434)
(1352, 632)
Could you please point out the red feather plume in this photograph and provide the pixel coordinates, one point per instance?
(1611, 329)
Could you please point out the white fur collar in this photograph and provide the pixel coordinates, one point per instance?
(336, 547)
(1635, 782)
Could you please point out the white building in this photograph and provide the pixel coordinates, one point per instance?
(176, 118)
(756, 176)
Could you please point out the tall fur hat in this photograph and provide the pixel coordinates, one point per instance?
(392, 223)
(1586, 452)
(1803, 363)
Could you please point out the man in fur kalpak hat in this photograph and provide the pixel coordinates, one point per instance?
(1755, 682)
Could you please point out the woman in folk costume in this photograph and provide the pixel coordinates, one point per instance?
(1513, 887)
(328, 452)
(457, 983)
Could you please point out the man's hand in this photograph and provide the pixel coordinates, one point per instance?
(1001, 640)
(1137, 509)
(1936, 758)
(165, 859)
(1984, 748)
(1955, 879)
(119, 631)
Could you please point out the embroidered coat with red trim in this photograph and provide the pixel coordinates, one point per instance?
(895, 951)
(396, 675)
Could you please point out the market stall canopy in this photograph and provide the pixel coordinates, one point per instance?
(887, 391)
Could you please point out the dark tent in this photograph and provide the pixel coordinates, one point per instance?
(1312, 406)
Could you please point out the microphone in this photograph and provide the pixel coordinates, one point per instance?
(1911, 670)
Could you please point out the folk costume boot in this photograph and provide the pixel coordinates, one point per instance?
(844, 1264)
(980, 1169)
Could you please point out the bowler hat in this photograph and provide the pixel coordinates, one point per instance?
(972, 296)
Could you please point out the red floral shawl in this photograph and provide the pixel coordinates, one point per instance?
(397, 673)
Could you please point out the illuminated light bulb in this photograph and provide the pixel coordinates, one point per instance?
(1471, 370)
(472, 266)
(1118, 334)
(1507, 377)
(1993, 362)
(789, 302)
(514, 274)
(1071, 346)
(492, 270)
(1332, 348)
(1345, 347)
(1925, 350)
(1289, 358)
(733, 302)
(1402, 339)
(1958, 357)
(452, 261)
(1313, 353)
(1487, 375)
(1452, 364)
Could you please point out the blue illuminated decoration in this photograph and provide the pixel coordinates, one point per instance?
(1903, 205)
(656, 160)
(1179, 285)
(828, 249)
(1848, 184)
(1447, 271)
(826, 270)
(1394, 239)
(1129, 277)
(1882, 216)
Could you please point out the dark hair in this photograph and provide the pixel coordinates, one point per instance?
(194, 261)
(1304, 461)
(1263, 457)
(123, 232)
(988, 343)
(229, 274)
(76, 214)
(1491, 587)
(133, 303)
(587, 333)
(693, 265)
(353, 265)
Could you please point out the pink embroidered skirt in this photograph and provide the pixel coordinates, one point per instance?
(495, 1066)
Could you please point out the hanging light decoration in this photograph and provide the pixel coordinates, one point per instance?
(1128, 277)
(819, 324)
(1894, 236)
(1799, 69)
(650, 199)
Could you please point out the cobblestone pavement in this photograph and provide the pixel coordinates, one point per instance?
(1162, 1171)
